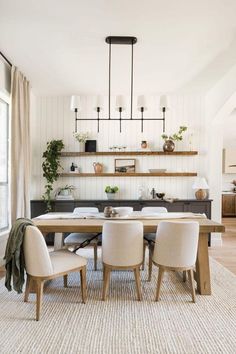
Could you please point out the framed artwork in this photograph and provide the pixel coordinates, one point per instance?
(125, 165)
(229, 160)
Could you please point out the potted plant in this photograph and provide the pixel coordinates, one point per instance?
(169, 144)
(111, 191)
(81, 138)
(66, 190)
(51, 165)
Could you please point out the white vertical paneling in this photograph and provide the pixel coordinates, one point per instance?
(54, 120)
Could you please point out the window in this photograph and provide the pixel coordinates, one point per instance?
(4, 183)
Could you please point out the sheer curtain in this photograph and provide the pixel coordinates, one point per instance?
(20, 145)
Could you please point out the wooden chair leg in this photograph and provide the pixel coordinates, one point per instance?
(150, 262)
(83, 284)
(65, 280)
(138, 283)
(106, 281)
(144, 250)
(95, 250)
(27, 288)
(159, 280)
(184, 276)
(190, 273)
(39, 296)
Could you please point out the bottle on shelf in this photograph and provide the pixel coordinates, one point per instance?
(72, 167)
(153, 193)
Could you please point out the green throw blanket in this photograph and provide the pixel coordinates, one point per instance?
(14, 255)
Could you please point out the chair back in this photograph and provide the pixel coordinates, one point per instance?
(85, 210)
(122, 243)
(176, 244)
(37, 259)
(154, 210)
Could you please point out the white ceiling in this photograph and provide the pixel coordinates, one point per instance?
(59, 45)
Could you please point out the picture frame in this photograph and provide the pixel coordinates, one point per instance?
(125, 165)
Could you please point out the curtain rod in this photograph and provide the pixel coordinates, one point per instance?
(8, 62)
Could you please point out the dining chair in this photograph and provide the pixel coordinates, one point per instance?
(122, 249)
(76, 239)
(176, 250)
(149, 239)
(41, 266)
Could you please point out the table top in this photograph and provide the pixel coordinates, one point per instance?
(95, 225)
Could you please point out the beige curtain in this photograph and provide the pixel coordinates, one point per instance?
(20, 145)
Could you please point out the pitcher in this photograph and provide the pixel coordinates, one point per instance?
(97, 167)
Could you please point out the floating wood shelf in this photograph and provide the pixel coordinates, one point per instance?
(129, 153)
(137, 174)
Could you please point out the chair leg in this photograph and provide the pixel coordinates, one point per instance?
(138, 283)
(190, 273)
(39, 296)
(83, 284)
(184, 276)
(95, 250)
(159, 280)
(106, 281)
(144, 250)
(150, 262)
(27, 288)
(65, 280)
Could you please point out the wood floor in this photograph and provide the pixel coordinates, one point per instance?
(226, 255)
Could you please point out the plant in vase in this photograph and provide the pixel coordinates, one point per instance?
(169, 144)
(81, 138)
(111, 191)
(66, 190)
(51, 165)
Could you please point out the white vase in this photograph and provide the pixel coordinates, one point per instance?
(111, 196)
(81, 147)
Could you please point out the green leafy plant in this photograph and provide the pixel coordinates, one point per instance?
(68, 188)
(51, 165)
(176, 136)
(110, 189)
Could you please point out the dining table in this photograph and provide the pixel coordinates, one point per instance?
(64, 223)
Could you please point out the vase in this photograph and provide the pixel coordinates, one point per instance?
(169, 146)
(81, 147)
(111, 196)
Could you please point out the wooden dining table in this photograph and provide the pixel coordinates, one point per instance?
(94, 225)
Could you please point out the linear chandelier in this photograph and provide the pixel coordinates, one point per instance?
(141, 104)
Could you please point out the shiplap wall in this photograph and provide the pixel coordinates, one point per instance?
(52, 119)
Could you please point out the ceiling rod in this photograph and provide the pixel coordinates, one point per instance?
(5, 58)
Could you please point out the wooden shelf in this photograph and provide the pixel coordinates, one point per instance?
(129, 153)
(137, 174)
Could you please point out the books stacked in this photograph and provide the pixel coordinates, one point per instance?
(64, 197)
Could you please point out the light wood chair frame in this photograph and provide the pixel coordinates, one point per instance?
(93, 243)
(106, 278)
(36, 283)
(185, 270)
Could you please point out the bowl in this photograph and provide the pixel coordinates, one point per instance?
(124, 211)
(160, 195)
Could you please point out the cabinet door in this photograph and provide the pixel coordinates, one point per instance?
(228, 205)
(62, 206)
(198, 207)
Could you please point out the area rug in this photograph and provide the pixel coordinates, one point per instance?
(122, 324)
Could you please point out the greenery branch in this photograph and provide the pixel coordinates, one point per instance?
(176, 136)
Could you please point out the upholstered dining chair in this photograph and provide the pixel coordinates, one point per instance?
(150, 237)
(42, 266)
(176, 249)
(76, 239)
(122, 248)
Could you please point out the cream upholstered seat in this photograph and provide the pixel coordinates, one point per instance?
(41, 265)
(122, 248)
(76, 239)
(176, 249)
(150, 237)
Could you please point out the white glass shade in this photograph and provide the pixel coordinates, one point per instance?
(163, 102)
(200, 183)
(120, 102)
(75, 103)
(141, 102)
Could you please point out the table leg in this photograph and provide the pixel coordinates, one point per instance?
(202, 266)
(58, 241)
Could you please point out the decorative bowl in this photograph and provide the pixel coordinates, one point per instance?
(124, 211)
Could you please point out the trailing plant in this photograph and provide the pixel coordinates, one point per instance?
(176, 136)
(51, 165)
(110, 189)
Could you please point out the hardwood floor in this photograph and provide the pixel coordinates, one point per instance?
(226, 255)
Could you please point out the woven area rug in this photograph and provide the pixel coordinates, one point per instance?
(122, 324)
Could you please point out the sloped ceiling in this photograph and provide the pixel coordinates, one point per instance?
(59, 45)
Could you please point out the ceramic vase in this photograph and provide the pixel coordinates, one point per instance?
(169, 146)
